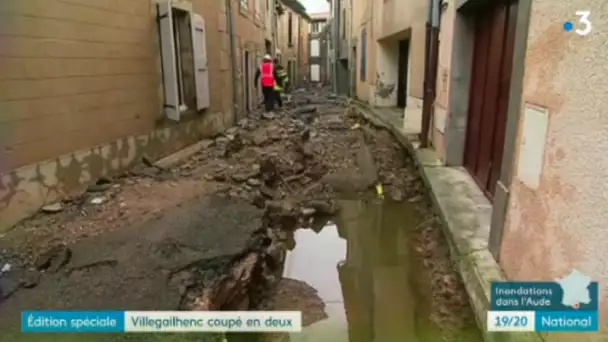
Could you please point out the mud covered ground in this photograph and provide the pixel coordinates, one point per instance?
(211, 232)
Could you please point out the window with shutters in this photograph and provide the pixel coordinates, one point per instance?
(184, 60)
(315, 48)
(289, 30)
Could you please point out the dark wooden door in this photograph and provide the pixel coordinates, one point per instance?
(404, 47)
(489, 93)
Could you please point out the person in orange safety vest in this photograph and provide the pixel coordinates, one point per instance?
(267, 76)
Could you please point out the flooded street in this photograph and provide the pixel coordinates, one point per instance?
(226, 229)
(364, 271)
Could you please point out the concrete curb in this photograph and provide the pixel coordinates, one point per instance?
(469, 253)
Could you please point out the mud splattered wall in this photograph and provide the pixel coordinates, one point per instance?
(80, 94)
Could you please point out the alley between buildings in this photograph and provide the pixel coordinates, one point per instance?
(280, 212)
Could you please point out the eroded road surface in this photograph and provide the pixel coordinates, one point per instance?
(278, 213)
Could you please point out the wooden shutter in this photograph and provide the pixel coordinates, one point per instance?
(169, 60)
(199, 49)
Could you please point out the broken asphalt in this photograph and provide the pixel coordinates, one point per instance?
(209, 232)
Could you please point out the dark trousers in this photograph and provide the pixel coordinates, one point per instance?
(269, 98)
(277, 94)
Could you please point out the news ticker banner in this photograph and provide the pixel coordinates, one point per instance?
(160, 321)
(570, 304)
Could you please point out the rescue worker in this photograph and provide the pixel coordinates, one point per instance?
(268, 75)
(282, 81)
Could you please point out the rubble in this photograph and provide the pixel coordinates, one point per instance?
(161, 232)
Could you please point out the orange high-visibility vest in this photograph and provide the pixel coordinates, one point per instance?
(267, 71)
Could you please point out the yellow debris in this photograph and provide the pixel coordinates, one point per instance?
(379, 190)
(355, 126)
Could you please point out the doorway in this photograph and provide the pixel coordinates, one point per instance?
(402, 77)
(353, 73)
(247, 71)
(489, 93)
(291, 70)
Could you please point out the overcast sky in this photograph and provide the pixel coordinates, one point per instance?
(315, 6)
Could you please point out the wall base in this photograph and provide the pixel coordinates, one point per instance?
(25, 190)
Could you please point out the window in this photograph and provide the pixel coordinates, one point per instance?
(363, 54)
(315, 27)
(184, 60)
(343, 23)
(314, 48)
(289, 30)
(245, 4)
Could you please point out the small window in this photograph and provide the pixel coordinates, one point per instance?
(184, 60)
(344, 23)
(363, 54)
(289, 30)
(245, 4)
(315, 48)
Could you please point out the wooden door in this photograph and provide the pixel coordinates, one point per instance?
(489, 93)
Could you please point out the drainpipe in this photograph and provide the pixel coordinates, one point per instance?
(235, 94)
(430, 70)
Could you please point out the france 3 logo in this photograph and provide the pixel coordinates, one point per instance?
(583, 26)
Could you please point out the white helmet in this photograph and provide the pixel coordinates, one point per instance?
(267, 57)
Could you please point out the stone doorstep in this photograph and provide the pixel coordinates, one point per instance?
(460, 207)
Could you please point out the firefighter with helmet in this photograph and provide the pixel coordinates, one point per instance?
(267, 76)
(281, 83)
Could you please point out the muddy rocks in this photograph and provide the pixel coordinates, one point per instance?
(322, 207)
(234, 145)
(254, 182)
(53, 259)
(52, 208)
(268, 115)
(8, 286)
(259, 200)
(305, 110)
(101, 185)
(308, 212)
(336, 123)
(281, 214)
(30, 279)
(305, 136)
(396, 195)
(269, 170)
(260, 138)
(269, 192)
(245, 174)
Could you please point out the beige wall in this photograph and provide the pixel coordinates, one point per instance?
(399, 15)
(388, 22)
(304, 51)
(298, 55)
(560, 223)
(442, 90)
(362, 18)
(80, 93)
(250, 33)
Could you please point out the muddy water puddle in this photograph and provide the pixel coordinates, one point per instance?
(356, 279)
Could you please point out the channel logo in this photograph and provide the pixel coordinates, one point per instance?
(583, 26)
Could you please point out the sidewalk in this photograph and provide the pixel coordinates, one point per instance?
(465, 213)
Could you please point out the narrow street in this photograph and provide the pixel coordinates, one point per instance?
(278, 213)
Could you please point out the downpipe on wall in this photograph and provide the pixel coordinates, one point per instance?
(235, 95)
(430, 69)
